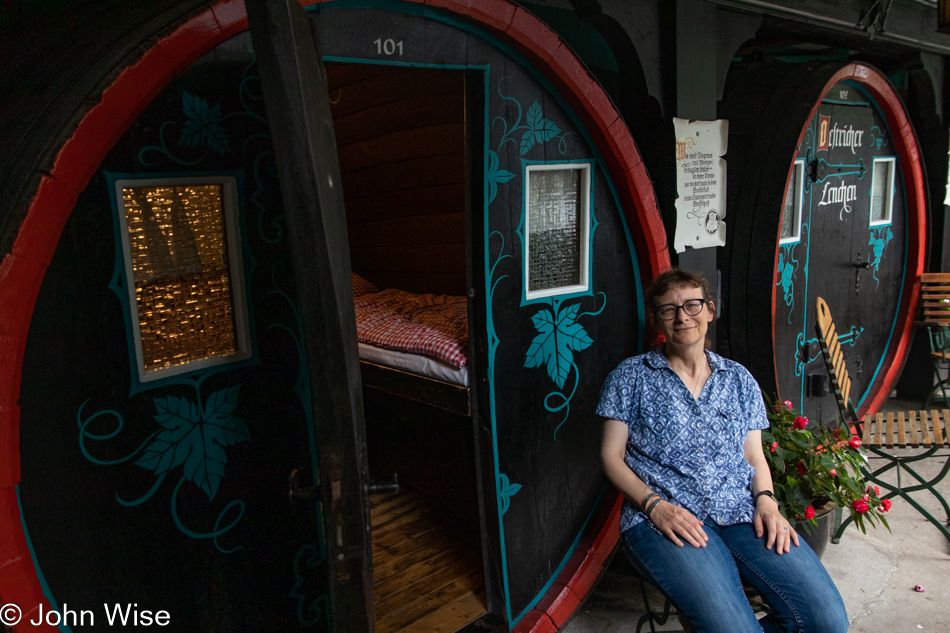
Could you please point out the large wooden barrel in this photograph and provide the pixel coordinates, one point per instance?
(827, 199)
(170, 491)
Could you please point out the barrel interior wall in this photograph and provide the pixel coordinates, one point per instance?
(401, 147)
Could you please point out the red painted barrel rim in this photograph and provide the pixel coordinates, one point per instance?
(905, 145)
(80, 157)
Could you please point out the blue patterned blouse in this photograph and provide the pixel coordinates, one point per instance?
(687, 450)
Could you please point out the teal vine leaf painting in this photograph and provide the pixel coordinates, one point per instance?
(496, 176)
(202, 125)
(195, 439)
(556, 342)
(506, 491)
(539, 129)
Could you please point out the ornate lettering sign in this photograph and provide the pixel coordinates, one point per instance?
(842, 194)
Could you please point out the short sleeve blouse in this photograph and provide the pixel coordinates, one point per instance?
(688, 450)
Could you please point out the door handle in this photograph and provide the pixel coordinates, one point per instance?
(383, 487)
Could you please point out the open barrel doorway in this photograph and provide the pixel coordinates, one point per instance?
(401, 143)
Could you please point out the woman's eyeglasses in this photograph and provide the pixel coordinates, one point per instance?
(668, 311)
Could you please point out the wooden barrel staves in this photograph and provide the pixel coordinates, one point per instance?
(828, 200)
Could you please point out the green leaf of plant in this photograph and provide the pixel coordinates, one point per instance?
(786, 454)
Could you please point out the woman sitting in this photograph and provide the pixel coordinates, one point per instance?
(682, 442)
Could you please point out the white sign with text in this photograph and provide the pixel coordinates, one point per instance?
(700, 183)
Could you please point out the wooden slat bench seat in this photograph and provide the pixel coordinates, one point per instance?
(935, 299)
(935, 318)
(906, 429)
(888, 435)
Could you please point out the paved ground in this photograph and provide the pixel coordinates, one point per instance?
(875, 574)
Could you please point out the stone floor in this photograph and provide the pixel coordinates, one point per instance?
(875, 573)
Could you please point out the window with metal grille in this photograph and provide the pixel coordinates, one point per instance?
(792, 213)
(882, 190)
(557, 226)
(183, 263)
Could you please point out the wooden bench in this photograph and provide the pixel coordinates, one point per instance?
(887, 436)
(935, 317)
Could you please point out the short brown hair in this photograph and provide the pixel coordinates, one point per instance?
(675, 278)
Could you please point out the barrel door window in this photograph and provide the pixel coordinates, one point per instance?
(557, 227)
(851, 249)
(792, 209)
(183, 271)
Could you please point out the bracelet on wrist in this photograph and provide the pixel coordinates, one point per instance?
(653, 505)
(767, 493)
(646, 500)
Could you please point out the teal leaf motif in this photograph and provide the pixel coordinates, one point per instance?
(556, 342)
(202, 125)
(195, 440)
(496, 176)
(506, 491)
(539, 129)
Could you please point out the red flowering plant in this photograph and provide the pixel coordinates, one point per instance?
(815, 469)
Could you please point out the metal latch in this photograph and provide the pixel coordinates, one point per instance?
(297, 492)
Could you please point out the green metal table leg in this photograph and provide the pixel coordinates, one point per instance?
(939, 344)
(905, 491)
(929, 486)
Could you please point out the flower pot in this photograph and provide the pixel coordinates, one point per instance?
(818, 537)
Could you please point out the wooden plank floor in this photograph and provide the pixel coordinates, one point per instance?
(427, 570)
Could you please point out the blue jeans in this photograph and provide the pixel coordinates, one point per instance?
(705, 583)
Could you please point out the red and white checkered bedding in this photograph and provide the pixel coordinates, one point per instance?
(432, 325)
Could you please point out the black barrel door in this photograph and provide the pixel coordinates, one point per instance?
(295, 90)
(828, 201)
(842, 238)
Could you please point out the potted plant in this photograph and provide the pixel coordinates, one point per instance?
(816, 470)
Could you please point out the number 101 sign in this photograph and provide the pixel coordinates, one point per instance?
(388, 47)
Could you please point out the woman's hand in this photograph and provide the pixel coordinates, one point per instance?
(768, 520)
(673, 521)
